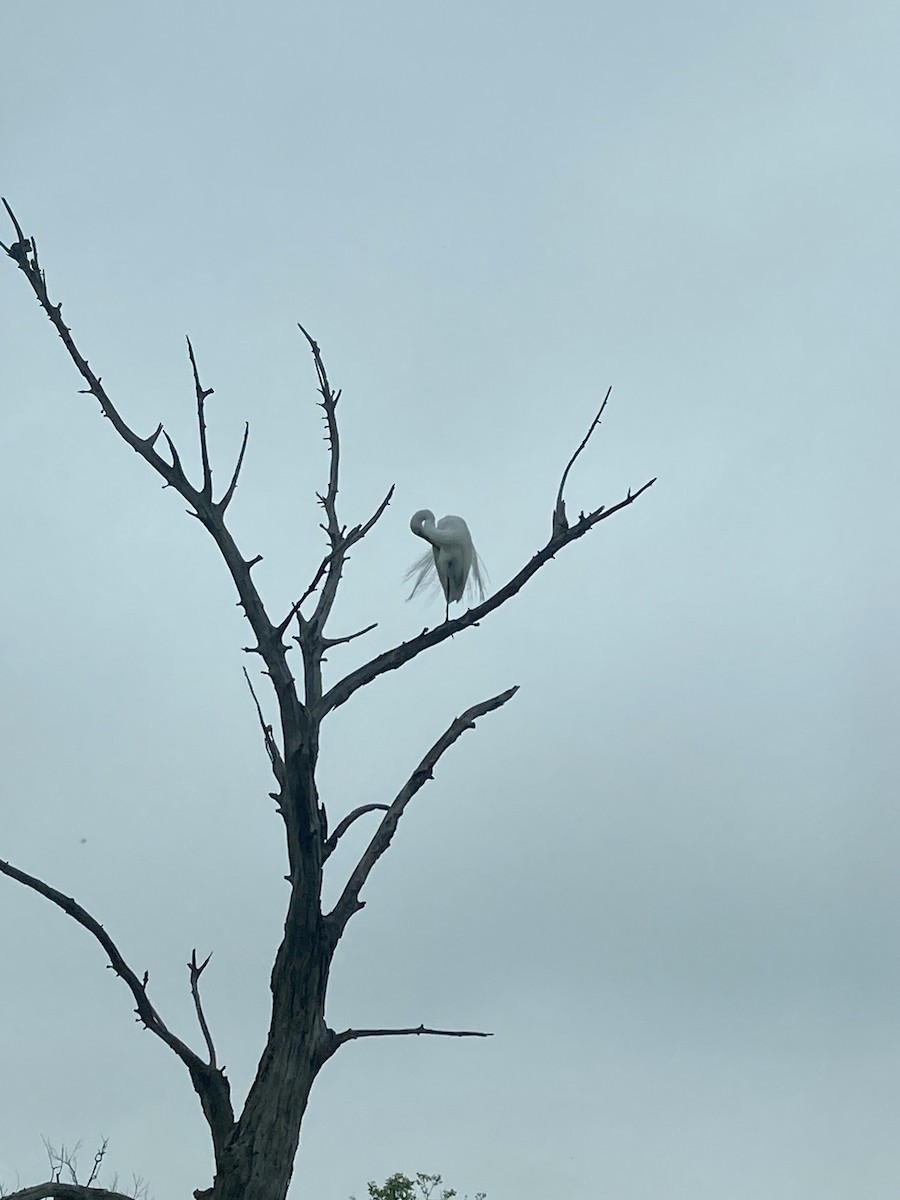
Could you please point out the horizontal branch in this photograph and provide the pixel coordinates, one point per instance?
(350, 1034)
(65, 1191)
(392, 659)
(349, 901)
(328, 642)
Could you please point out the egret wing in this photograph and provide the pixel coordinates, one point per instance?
(424, 574)
(477, 581)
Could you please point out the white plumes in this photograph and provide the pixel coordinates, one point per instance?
(452, 562)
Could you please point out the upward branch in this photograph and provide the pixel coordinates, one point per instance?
(349, 901)
(201, 394)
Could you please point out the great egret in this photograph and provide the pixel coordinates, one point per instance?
(452, 557)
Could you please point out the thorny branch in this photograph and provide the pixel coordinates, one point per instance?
(348, 1035)
(339, 538)
(349, 901)
(24, 252)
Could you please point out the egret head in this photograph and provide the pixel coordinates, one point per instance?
(418, 519)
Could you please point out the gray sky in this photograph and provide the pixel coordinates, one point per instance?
(666, 874)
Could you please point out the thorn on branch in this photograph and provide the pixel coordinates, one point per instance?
(150, 441)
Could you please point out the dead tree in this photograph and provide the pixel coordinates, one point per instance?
(254, 1149)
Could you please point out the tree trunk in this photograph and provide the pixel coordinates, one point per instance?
(258, 1160)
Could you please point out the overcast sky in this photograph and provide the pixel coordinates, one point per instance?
(666, 874)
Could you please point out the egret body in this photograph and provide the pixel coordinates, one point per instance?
(452, 557)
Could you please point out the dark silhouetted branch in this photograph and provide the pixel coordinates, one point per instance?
(349, 902)
(350, 1034)
(345, 824)
(332, 437)
(560, 524)
(196, 970)
(358, 532)
(269, 644)
(340, 641)
(65, 1191)
(201, 394)
(271, 745)
(226, 499)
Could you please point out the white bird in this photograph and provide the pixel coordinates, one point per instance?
(452, 557)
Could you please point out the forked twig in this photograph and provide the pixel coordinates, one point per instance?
(560, 524)
(196, 969)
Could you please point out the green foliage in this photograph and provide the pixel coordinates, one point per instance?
(424, 1187)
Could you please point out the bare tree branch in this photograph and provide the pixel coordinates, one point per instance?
(196, 969)
(390, 660)
(348, 1035)
(201, 394)
(226, 499)
(294, 718)
(339, 539)
(98, 1161)
(349, 901)
(358, 532)
(65, 1191)
(271, 745)
(560, 524)
(210, 1084)
(340, 641)
(345, 824)
(329, 408)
